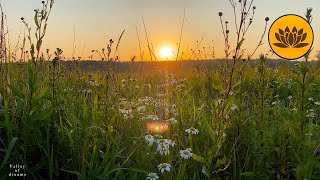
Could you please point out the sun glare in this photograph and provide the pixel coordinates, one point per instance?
(166, 52)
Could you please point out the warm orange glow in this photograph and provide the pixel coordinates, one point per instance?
(157, 127)
(166, 52)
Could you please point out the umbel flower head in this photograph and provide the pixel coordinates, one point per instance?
(293, 38)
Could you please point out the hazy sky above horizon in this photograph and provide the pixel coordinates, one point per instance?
(96, 21)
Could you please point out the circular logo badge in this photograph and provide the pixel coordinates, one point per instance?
(291, 36)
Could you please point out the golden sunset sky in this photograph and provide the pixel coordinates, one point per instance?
(96, 21)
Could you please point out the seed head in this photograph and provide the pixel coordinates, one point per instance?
(227, 31)
(226, 22)
(22, 18)
(42, 2)
(254, 7)
(220, 14)
(267, 19)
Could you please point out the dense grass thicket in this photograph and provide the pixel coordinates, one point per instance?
(225, 121)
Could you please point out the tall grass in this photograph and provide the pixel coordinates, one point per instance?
(237, 121)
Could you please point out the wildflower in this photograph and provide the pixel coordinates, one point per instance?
(141, 108)
(101, 154)
(150, 139)
(123, 80)
(311, 99)
(311, 113)
(219, 101)
(186, 154)
(152, 117)
(152, 176)
(231, 93)
(317, 103)
(164, 146)
(171, 143)
(172, 120)
(164, 167)
(192, 130)
(127, 116)
(233, 107)
(125, 111)
(163, 149)
(91, 82)
(290, 97)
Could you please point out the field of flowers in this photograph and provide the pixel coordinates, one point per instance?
(179, 126)
(235, 121)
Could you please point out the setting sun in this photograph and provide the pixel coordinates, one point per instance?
(166, 52)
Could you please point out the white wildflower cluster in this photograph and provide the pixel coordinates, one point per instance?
(152, 117)
(163, 146)
(172, 121)
(311, 113)
(192, 130)
(67, 90)
(126, 82)
(158, 111)
(233, 107)
(91, 82)
(146, 100)
(127, 113)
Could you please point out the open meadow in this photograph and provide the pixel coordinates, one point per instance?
(235, 118)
